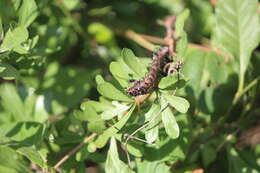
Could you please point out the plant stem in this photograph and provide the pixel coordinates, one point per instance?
(238, 96)
(74, 150)
(243, 91)
(140, 40)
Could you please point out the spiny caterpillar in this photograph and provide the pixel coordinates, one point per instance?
(149, 83)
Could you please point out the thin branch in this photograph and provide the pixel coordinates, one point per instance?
(248, 87)
(74, 150)
(228, 138)
(158, 40)
(139, 129)
(213, 2)
(137, 38)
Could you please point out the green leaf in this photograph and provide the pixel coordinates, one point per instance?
(10, 159)
(6, 169)
(14, 38)
(16, 4)
(66, 94)
(133, 62)
(103, 138)
(71, 4)
(135, 149)
(152, 130)
(101, 32)
(1, 28)
(99, 79)
(113, 163)
(171, 83)
(170, 124)
(32, 42)
(237, 29)
(32, 154)
(36, 106)
(180, 34)
(27, 13)
(119, 73)
(117, 110)
(98, 106)
(209, 155)
(82, 154)
(237, 164)
(108, 90)
(152, 167)
(7, 71)
(25, 133)
(179, 103)
(167, 81)
(152, 134)
(88, 114)
(202, 68)
(96, 124)
(9, 98)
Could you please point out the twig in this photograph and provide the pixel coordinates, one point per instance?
(248, 87)
(137, 38)
(74, 150)
(164, 42)
(228, 138)
(137, 130)
(214, 2)
(236, 98)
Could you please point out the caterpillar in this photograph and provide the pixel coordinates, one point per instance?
(150, 81)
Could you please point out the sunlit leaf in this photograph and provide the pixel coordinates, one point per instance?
(98, 106)
(10, 159)
(113, 163)
(9, 98)
(14, 38)
(119, 73)
(32, 154)
(180, 34)
(103, 138)
(108, 90)
(117, 110)
(179, 103)
(7, 71)
(237, 29)
(26, 133)
(27, 12)
(133, 62)
(101, 32)
(203, 68)
(237, 164)
(95, 123)
(170, 124)
(152, 130)
(152, 167)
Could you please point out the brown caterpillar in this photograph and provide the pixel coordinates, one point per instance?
(150, 81)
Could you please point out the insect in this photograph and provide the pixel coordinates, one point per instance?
(160, 59)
